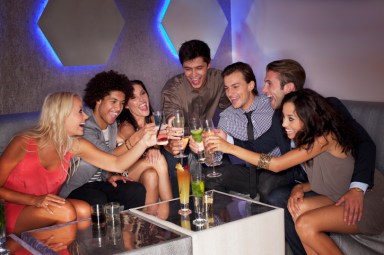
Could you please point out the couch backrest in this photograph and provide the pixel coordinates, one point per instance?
(10, 124)
(371, 116)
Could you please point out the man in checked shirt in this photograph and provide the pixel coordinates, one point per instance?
(240, 88)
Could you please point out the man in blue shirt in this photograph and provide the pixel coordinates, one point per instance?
(248, 117)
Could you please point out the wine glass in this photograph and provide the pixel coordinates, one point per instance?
(185, 141)
(178, 122)
(212, 159)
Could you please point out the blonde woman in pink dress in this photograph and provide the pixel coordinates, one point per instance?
(35, 164)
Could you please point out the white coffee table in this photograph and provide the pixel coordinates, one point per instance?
(241, 226)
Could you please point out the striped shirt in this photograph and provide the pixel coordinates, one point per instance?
(97, 177)
(234, 122)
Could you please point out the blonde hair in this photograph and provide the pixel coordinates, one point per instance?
(51, 126)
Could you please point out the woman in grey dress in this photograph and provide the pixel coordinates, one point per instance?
(325, 146)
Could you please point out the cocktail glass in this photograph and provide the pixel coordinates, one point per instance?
(184, 141)
(183, 180)
(178, 122)
(208, 207)
(212, 159)
(161, 127)
(185, 222)
(198, 185)
(196, 132)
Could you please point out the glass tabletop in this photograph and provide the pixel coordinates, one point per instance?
(83, 237)
(226, 208)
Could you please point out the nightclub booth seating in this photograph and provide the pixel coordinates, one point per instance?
(369, 114)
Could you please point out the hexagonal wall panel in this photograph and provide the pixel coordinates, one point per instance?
(81, 32)
(198, 19)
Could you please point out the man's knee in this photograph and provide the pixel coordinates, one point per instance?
(130, 194)
(131, 188)
(264, 191)
(92, 198)
(278, 197)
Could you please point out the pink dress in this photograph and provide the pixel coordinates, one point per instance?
(30, 177)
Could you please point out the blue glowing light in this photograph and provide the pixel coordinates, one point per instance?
(164, 33)
(40, 37)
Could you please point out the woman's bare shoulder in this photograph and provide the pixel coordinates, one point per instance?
(16, 148)
(126, 129)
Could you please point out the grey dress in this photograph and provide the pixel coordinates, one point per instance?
(331, 177)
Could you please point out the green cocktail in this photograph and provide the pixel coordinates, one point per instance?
(198, 194)
(198, 188)
(197, 137)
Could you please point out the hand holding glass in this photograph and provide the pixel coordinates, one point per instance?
(185, 141)
(212, 159)
(161, 128)
(196, 132)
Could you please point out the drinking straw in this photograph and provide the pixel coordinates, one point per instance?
(161, 119)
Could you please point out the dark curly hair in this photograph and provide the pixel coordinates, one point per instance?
(126, 114)
(103, 83)
(319, 118)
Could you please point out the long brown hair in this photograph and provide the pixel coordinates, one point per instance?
(319, 119)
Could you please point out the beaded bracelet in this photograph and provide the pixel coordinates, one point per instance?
(264, 161)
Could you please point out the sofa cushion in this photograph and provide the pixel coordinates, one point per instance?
(10, 124)
(360, 244)
(371, 116)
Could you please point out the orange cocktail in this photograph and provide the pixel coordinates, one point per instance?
(184, 182)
